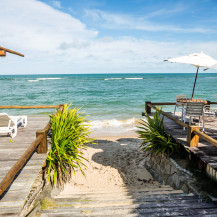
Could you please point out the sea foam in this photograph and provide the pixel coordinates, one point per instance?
(133, 78)
(114, 125)
(42, 79)
(106, 79)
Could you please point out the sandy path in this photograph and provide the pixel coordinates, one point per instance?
(117, 184)
(112, 164)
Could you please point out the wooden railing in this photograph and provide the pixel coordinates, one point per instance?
(193, 132)
(28, 106)
(40, 145)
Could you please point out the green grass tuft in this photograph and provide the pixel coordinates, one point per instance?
(69, 135)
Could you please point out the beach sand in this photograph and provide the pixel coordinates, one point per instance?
(114, 162)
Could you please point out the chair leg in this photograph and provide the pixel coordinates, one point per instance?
(184, 121)
(175, 110)
(13, 132)
(24, 121)
(182, 113)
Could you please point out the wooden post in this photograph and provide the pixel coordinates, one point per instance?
(61, 107)
(2, 53)
(208, 102)
(147, 108)
(192, 139)
(42, 148)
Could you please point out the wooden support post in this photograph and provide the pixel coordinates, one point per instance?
(42, 148)
(61, 107)
(147, 108)
(192, 139)
(201, 165)
(2, 53)
(208, 102)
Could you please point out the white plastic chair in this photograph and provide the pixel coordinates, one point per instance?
(179, 104)
(194, 109)
(9, 124)
(210, 111)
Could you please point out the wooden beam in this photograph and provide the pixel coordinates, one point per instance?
(28, 106)
(174, 103)
(169, 116)
(205, 137)
(163, 103)
(11, 51)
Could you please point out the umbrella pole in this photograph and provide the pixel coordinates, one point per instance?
(195, 83)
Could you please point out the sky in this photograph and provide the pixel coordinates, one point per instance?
(105, 36)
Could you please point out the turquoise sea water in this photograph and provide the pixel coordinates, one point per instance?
(104, 97)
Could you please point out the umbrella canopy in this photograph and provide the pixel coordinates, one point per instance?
(197, 60)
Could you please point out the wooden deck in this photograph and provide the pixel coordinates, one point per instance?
(205, 151)
(13, 199)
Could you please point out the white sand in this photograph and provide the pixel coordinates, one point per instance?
(113, 163)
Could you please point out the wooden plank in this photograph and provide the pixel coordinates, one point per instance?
(15, 196)
(34, 162)
(10, 210)
(9, 204)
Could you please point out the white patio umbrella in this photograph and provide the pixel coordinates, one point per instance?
(197, 60)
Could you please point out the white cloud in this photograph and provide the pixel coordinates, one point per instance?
(57, 4)
(38, 27)
(56, 42)
(128, 22)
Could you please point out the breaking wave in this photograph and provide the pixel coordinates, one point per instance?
(114, 125)
(42, 79)
(133, 78)
(106, 79)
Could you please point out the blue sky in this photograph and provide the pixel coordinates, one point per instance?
(105, 36)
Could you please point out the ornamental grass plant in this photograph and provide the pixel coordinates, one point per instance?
(69, 135)
(154, 137)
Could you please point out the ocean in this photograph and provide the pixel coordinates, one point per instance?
(110, 100)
